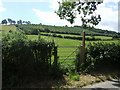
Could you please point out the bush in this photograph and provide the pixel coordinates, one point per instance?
(24, 59)
(101, 56)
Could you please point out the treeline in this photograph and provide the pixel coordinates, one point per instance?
(35, 29)
(13, 22)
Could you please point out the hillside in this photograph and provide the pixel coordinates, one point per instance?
(76, 30)
(7, 27)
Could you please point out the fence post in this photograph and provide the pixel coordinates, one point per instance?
(55, 56)
(82, 51)
(83, 48)
(82, 54)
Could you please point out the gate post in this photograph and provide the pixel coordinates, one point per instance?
(82, 51)
(82, 54)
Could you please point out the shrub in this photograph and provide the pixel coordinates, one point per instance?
(101, 56)
(24, 59)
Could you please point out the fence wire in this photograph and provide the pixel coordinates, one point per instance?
(68, 57)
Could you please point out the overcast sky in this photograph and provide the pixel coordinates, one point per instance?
(42, 11)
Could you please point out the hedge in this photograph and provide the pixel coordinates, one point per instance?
(23, 60)
(101, 56)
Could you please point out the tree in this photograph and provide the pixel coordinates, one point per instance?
(4, 21)
(13, 21)
(24, 22)
(10, 21)
(69, 9)
(28, 22)
(20, 22)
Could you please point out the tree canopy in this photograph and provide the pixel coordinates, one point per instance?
(69, 9)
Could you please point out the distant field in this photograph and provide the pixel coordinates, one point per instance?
(66, 42)
(63, 51)
(7, 27)
(66, 30)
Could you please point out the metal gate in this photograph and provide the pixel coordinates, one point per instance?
(67, 56)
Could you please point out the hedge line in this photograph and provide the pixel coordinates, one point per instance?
(101, 56)
(71, 37)
(24, 60)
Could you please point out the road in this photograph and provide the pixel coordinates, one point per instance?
(107, 85)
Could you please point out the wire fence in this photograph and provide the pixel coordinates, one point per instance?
(67, 55)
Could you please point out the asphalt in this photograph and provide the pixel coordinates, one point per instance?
(107, 85)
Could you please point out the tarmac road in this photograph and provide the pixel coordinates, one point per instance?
(107, 85)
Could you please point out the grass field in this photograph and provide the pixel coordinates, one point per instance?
(8, 27)
(66, 53)
(67, 42)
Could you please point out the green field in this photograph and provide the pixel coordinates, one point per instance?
(8, 27)
(66, 30)
(67, 42)
(66, 53)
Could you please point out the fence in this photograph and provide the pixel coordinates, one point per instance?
(67, 55)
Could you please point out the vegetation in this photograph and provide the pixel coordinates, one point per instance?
(69, 9)
(25, 60)
(27, 57)
(35, 29)
(13, 22)
(66, 66)
(7, 28)
(101, 54)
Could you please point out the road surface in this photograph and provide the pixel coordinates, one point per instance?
(107, 85)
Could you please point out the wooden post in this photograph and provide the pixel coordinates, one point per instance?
(82, 52)
(82, 49)
(55, 56)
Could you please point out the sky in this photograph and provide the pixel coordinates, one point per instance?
(43, 11)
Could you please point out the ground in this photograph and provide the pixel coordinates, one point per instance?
(114, 83)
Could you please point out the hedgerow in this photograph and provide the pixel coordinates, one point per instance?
(24, 60)
(101, 56)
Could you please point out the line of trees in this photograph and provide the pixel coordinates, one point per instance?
(13, 22)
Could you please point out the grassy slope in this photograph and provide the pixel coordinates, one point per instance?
(63, 53)
(8, 27)
(76, 30)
